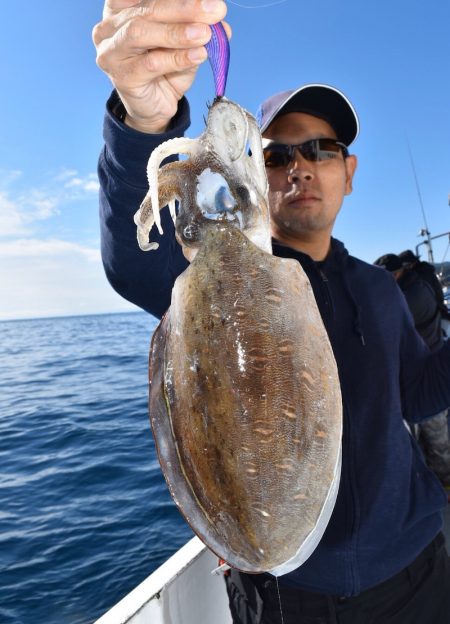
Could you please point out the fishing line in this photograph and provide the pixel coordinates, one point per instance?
(427, 231)
(260, 6)
(419, 194)
(279, 601)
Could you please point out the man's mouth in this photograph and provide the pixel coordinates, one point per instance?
(303, 198)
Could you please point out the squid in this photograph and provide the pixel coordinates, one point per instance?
(244, 400)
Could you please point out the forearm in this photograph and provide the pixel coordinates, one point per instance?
(144, 278)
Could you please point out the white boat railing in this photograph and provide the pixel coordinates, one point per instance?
(181, 591)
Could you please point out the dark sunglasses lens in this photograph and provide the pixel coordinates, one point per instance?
(309, 150)
(276, 156)
(316, 150)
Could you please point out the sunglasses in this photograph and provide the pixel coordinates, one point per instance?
(315, 150)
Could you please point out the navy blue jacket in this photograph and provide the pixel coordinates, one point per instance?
(424, 307)
(389, 503)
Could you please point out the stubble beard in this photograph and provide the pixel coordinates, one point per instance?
(303, 222)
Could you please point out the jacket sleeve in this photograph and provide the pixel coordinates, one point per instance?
(421, 302)
(425, 312)
(425, 375)
(144, 278)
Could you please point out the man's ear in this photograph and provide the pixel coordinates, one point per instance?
(351, 163)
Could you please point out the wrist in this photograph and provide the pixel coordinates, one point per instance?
(144, 126)
(176, 126)
(119, 111)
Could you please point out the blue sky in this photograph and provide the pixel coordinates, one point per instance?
(390, 58)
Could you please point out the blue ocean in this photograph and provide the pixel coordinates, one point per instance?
(85, 514)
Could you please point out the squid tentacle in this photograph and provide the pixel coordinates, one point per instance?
(166, 149)
(144, 225)
(170, 190)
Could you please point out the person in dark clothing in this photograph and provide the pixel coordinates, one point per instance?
(420, 297)
(427, 272)
(382, 557)
(433, 433)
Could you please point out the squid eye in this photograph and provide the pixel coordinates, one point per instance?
(190, 232)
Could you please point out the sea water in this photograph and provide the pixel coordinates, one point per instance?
(85, 514)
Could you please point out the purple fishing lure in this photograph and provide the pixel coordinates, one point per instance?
(218, 49)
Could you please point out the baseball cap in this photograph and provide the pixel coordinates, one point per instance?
(390, 262)
(319, 100)
(408, 257)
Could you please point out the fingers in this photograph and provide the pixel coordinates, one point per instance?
(208, 11)
(156, 24)
(137, 35)
(172, 11)
(143, 69)
(146, 26)
(150, 49)
(115, 6)
(130, 47)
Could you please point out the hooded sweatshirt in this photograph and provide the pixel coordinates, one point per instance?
(424, 307)
(389, 505)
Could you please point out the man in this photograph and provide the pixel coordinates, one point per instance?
(427, 272)
(382, 557)
(420, 298)
(433, 434)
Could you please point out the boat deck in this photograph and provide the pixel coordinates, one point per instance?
(173, 593)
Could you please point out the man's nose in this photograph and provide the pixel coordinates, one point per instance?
(300, 168)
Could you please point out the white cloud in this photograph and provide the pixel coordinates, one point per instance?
(41, 273)
(8, 177)
(65, 174)
(21, 207)
(38, 206)
(12, 222)
(89, 183)
(35, 248)
(59, 281)
(17, 213)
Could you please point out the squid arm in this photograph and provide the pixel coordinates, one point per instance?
(169, 191)
(166, 149)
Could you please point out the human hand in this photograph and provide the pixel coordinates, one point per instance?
(151, 50)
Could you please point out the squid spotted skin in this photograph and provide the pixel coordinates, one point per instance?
(245, 402)
(223, 180)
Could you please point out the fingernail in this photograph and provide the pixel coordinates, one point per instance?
(212, 6)
(197, 54)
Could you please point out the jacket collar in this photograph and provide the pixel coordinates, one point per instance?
(336, 259)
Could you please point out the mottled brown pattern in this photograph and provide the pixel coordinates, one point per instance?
(245, 402)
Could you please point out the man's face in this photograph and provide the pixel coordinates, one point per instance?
(305, 197)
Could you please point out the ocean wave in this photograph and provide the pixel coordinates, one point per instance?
(85, 512)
